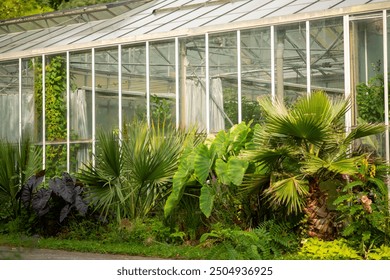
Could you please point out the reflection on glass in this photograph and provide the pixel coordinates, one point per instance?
(192, 83)
(162, 82)
(368, 68)
(327, 56)
(29, 123)
(9, 100)
(133, 83)
(106, 69)
(223, 81)
(255, 71)
(80, 108)
(290, 62)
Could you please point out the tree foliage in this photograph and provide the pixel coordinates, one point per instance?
(18, 8)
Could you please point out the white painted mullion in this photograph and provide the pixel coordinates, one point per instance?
(177, 82)
(386, 84)
(67, 111)
(207, 78)
(20, 105)
(93, 106)
(147, 83)
(120, 122)
(239, 81)
(308, 58)
(43, 112)
(347, 70)
(273, 93)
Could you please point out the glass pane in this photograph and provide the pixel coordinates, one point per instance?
(367, 43)
(327, 56)
(134, 83)
(106, 67)
(290, 62)
(255, 71)
(55, 115)
(223, 81)
(80, 109)
(9, 100)
(192, 83)
(30, 123)
(162, 82)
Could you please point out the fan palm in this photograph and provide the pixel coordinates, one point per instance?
(300, 147)
(17, 163)
(132, 176)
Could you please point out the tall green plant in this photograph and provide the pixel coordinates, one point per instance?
(370, 98)
(55, 111)
(301, 147)
(132, 177)
(17, 163)
(213, 170)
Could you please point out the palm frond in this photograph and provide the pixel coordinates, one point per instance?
(364, 130)
(289, 192)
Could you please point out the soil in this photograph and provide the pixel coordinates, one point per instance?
(14, 253)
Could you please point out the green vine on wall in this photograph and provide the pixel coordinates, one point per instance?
(55, 111)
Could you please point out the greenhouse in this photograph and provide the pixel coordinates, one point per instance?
(66, 75)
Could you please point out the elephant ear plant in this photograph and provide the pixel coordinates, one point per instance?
(55, 203)
(213, 171)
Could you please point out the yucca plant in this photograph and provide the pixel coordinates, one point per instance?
(17, 164)
(132, 176)
(299, 148)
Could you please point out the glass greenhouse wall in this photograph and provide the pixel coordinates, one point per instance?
(202, 63)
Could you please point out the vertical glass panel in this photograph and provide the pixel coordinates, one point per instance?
(255, 71)
(55, 115)
(223, 81)
(162, 82)
(106, 69)
(80, 109)
(9, 100)
(327, 56)
(192, 83)
(367, 61)
(32, 82)
(133, 83)
(290, 61)
(30, 123)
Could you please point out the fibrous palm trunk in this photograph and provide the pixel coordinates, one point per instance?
(321, 221)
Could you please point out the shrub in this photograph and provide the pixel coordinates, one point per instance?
(338, 249)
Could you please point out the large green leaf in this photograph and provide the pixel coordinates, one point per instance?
(180, 179)
(231, 172)
(206, 200)
(203, 161)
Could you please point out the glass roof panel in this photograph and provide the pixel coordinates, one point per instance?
(66, 17)
(328, 4)
(84, 26)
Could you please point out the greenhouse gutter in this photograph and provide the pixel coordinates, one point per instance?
(367, 8)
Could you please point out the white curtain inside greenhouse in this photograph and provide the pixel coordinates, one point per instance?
(79, 122)
(195, 104)
(9, 110)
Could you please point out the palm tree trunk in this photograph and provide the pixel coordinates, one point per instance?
(321, 221)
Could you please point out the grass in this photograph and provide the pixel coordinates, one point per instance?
(155, 249)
